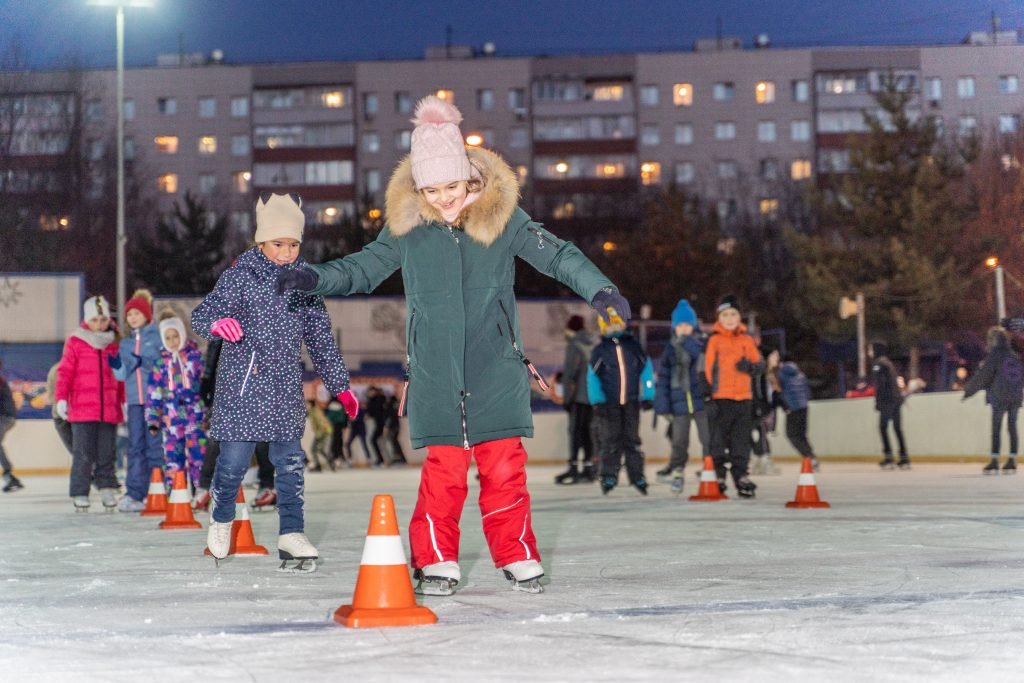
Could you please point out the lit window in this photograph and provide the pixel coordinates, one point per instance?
(769, 207)
(650, 173)
(682, 94)
(239, 145)
(933, 89)
(724, 91)
(650, 135)
(563, 211)
(684, 172)
(207, 107)
(965, 87)
(725, 130)
(485, 99)
(168, 106)
(764, 92)
(207, 183)
(1009, 123)
(1008, 85)
(607, 93)
(240, 108)
(561, 168)
(166, 144)
(241, 181)
(649, 95)
(50, 222)
(1009, 162)
(800, 131)
(766, 131)
(801, 90)
(207, 144)
(371, 142)
(727, 170)
(129, 110)
(328, 214)
(167, 183)
(684, 134)
(446, 94)
(332, 99)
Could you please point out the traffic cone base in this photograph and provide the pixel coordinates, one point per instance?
(383, 595)
(807, 489)
(179, 507)
(708, 489)
(242, 540)
(156, 496)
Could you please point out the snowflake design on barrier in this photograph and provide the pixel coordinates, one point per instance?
(9, 292)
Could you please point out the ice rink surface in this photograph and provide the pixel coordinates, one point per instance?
(910, 576)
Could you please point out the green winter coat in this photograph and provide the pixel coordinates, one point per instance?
(468, 376)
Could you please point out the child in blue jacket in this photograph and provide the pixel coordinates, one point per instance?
(619, 379)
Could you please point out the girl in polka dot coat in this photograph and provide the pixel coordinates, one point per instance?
(258, 394)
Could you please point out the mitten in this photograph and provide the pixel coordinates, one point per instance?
(350, 402)
(62, 409)
(227, 328)
(610, 297)
(744, 365)
(114, 361)
(298, 278)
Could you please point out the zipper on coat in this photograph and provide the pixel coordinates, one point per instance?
(542, 238)
(522, 356)
(465, 428)
(99, 359)
(451, 231)
(138, 370)
(621, 359)
(248, 373)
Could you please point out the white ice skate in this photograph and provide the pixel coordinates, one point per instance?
(218, 540)
(129, 504)
(525, 576)
(109, 499)
(81, 503)
(296, 547)
(437, 579)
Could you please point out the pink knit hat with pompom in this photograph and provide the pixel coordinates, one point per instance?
(438, 152)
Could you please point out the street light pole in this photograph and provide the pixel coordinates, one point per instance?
(122, 238)
(1000, 295)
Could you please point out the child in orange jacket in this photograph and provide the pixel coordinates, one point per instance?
(730, 362)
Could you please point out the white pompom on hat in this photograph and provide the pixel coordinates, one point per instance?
(95, 307)
(279, 216)
(438, 151)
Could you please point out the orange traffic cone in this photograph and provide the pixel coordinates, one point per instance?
(179, 507)
(383, 594)
(709, 483)
(806, 489)
(156, 499)
(242, 540)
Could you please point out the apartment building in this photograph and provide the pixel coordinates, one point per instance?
(738, 126)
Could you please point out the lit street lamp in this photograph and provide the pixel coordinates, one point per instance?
(122, 239)
(993, 262)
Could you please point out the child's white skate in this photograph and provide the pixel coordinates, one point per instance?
(109, 499)
(218, 540)
(81, 503)
(295, 547)
(437, 579)
(525, 576)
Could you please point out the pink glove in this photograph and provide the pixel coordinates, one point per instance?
(351, 403)
(227, 328)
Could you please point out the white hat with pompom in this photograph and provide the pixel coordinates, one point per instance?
(438, 152)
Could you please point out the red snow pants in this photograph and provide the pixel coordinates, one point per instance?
(504, 503)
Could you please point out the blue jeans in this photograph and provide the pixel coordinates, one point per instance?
(289, 466)
(145, 451)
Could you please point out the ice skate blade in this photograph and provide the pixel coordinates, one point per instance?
(81, 509)
(306, 565)
(435, 585)
(527, 585)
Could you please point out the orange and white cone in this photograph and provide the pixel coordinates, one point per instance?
(243, 542)
(709, 489)
(156, 498)
(179, 507)
(383, 594)
(806, 489)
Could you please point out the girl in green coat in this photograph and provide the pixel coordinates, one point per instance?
(454, 228)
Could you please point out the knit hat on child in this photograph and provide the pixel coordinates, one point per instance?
(279, 216)
(141, 302)
(728, 301)
(175, 324)
(95, 307)
(684, 313)
(437, 151)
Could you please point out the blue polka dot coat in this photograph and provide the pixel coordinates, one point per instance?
(258, 395)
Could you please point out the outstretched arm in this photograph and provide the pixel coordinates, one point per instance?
(358, 273)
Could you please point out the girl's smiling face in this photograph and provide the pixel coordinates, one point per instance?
(135, 318)
(281, 251)
(447, 198)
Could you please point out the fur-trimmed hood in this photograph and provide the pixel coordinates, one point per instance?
(483, 220)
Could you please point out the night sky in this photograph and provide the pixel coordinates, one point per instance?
(51, 33)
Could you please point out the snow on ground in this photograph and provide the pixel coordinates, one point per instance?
(909, 576)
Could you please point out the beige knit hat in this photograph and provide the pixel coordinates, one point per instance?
(279, 216)
(438, 151)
